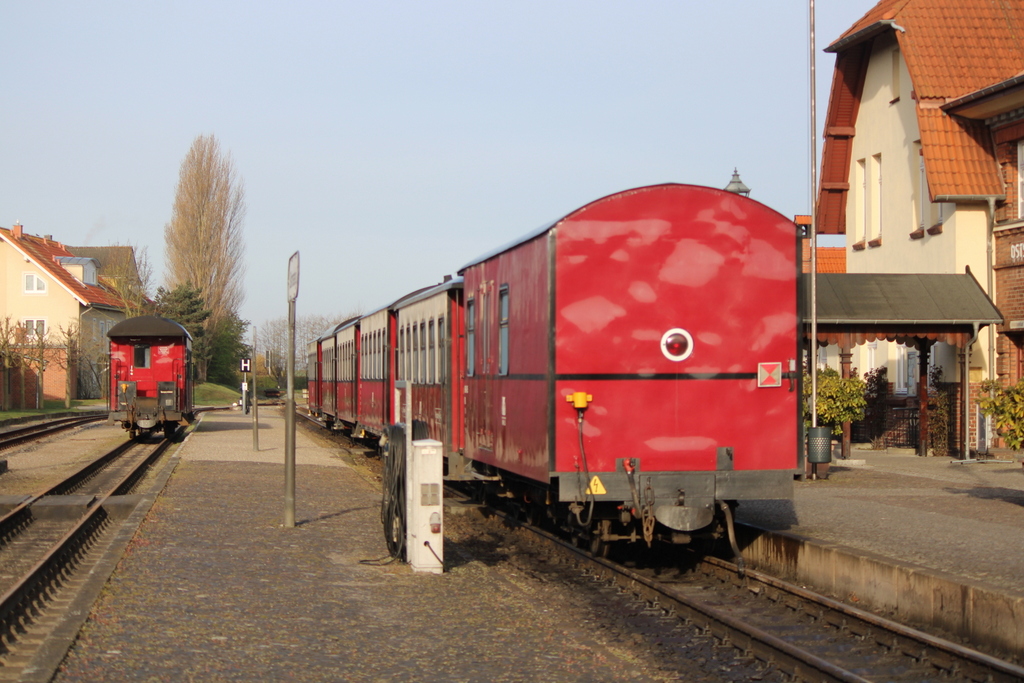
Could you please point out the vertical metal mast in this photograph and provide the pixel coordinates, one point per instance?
(813, 346)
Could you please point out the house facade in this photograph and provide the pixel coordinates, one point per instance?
(919, 182)
(54, 315)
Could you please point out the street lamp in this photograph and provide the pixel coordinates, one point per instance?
(736, 185)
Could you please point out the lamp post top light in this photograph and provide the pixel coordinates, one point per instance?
(736, 185)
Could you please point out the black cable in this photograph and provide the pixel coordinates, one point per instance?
(392, 505)
(586, 472)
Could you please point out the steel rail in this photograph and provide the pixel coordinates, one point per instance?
(768, 648)
(946, 655)
(25, 601)
(15, 521)
(14, 437)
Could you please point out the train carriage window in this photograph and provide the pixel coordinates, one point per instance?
(432, 376)
(376, 354)
(442, 363)
(400, 370)
(414, 356)
(503, 330)
(423, 353)
(470, 338)
(142, 356)
(485, 330)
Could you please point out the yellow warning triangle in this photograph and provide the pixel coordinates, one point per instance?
(596, 487)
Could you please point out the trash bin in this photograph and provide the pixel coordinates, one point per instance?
(819, 445)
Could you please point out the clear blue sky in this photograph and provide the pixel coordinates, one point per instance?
(390, 143)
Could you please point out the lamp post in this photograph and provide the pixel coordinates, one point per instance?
(736, 185)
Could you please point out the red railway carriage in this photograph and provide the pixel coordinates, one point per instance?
(375, 384)
(635, 360)
(345, 369)
(314, 363)
(429, 357)
(150, 375)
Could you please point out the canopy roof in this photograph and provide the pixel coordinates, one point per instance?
(905, 307)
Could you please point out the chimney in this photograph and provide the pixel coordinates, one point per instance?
(17, 231)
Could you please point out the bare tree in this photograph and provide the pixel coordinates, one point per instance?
(128, 274)
(272, 341)
(67, 355)
(204, 238)
(10, 356)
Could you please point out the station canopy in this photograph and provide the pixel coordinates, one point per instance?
(854, 308)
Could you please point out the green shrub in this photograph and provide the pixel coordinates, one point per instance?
(839, 400)
(1006, 406)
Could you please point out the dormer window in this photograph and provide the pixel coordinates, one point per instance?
(34, 284)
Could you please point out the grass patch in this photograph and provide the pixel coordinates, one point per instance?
(215, 395)
(50, 408)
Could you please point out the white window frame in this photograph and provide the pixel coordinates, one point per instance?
(862, 207)
(39, 284)
(877, 227)
(924, 201)
(32, 325)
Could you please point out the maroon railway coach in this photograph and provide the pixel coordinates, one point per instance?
(150, 375)
(628, 370)
(633, 363)
(429, 357)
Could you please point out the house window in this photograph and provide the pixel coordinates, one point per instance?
(875, 200)
(922, 193)
(895, 76)
(35, 328)
(906, 371)
(34, 284)
(503, 330)
(861, 208)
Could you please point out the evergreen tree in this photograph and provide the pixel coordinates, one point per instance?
(226, 349)
(185, 305)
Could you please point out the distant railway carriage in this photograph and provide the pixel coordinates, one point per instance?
(429, 356)
(150, 375)
(313, 384)
(628, 369)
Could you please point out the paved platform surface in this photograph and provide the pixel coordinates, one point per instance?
(213, 588)
(966, 519)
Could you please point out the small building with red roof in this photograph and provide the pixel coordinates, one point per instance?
(55, 312)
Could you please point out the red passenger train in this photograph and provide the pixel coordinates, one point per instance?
(628, 370)
(150, 375)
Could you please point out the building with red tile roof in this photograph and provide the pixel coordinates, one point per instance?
(49, 296)
(923, 163)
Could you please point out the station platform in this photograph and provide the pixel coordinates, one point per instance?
(941, 514)
(213, 587)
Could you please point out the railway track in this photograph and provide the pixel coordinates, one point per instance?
(784, 627)
(14, 437)
(49, 540)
